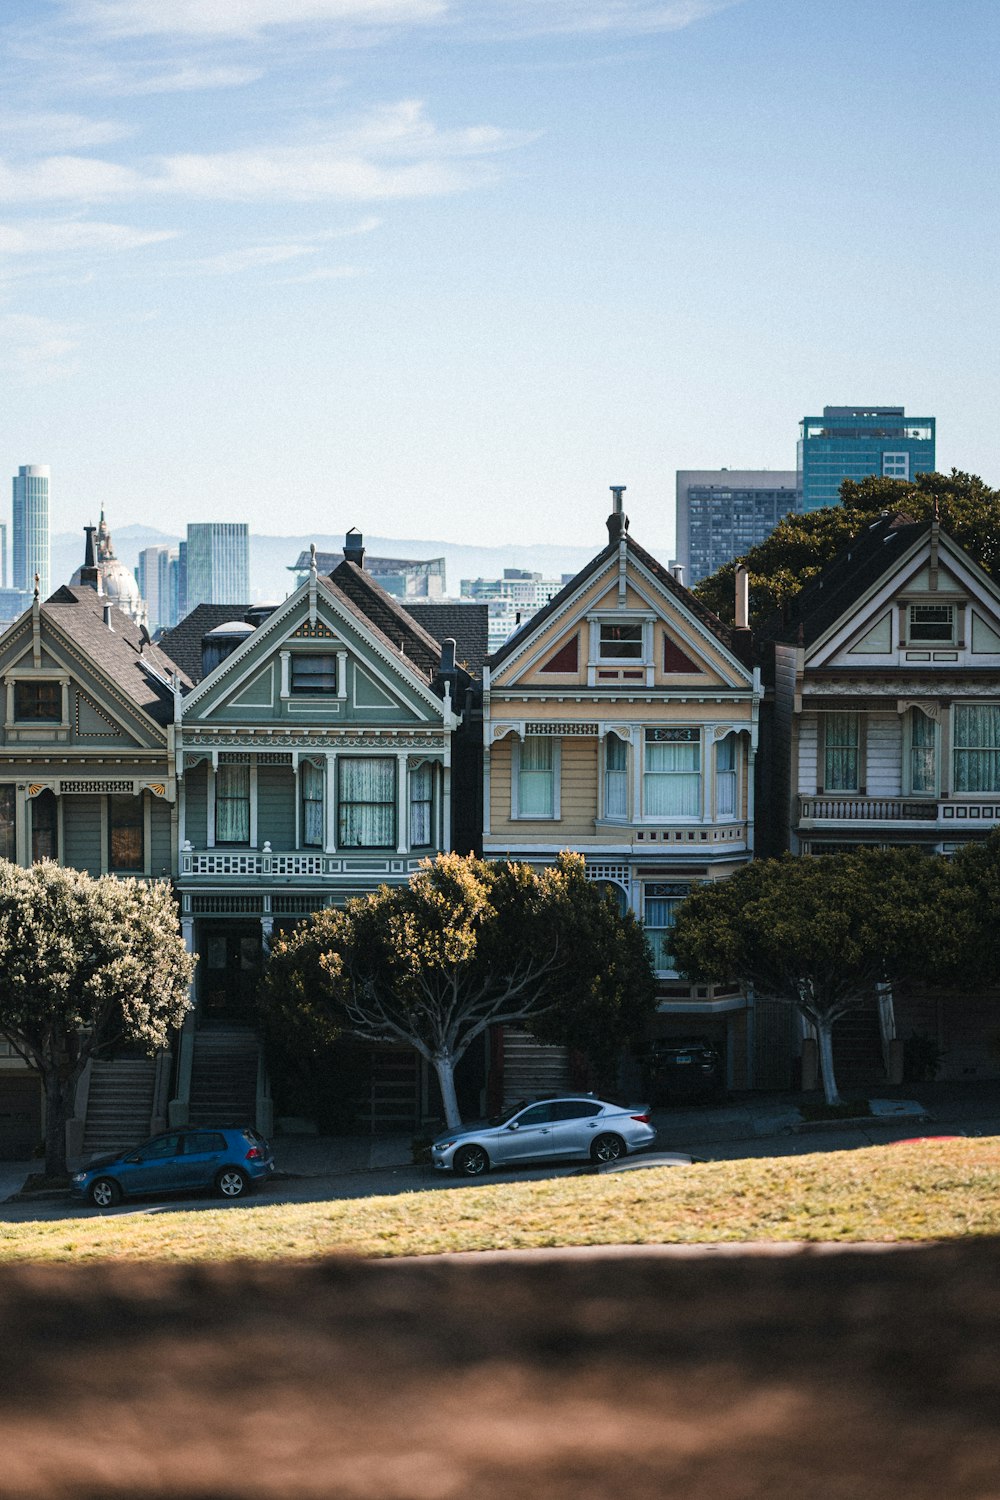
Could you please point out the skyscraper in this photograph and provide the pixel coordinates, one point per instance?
(3, 554)
(157, 576)
(218, 563)
(852, 442)
(31, 528)
(722, 513)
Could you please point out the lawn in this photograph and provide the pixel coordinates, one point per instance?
(926, 1191)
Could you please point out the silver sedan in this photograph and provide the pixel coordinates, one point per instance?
(551, 1130)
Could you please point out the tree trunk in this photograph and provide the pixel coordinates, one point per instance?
(444, 1067)
(824, 1031)
(57, 1107)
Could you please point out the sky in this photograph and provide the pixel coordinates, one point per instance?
(448, 270)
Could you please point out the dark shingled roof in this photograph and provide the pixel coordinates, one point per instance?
(468, 625)
(726, 636)
(78, 611)
(389, 618)
(183, 640)
(845, 579)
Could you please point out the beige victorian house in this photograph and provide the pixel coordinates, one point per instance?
(621, 722)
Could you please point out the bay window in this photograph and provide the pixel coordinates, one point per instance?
(725, 777)
(671, 777)
(44, 826)
(976, 747)
(311, 780)
(615, 777)
(421, 805)
(842, 752)
(660, 901)
(537, 766)
(366, 802)
(232, 804)
(923, 753)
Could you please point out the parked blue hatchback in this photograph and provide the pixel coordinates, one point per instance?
(231, 1161)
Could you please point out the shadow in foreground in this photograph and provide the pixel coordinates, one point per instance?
(708, 1377)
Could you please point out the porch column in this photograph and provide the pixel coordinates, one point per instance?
(331, 801)
(179, 1108)
(402, 804)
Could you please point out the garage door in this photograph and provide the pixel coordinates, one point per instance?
(20, 1116)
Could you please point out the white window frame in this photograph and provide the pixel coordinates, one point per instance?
(556, 774)
(729, 738)
(696, 737)
(892, 463)
(957, 749)
(607, 773)
(650, 892)
(930, 642)
(907, 779)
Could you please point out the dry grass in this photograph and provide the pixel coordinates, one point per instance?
(927, 1191)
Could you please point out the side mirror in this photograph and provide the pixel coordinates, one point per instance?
(514, 1125)
(135, 1161)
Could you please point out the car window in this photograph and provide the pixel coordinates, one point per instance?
(576, 1109)
(202, 1141)
(538, 1114)
(164, 1145)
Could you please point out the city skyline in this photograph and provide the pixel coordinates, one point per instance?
(455, 270)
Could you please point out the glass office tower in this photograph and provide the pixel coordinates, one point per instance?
(218, 563)
(852, 442)
(31, 529)
(722, 513)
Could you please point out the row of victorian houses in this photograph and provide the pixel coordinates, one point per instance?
(272, 760)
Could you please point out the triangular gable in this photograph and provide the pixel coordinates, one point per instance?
(553, 650)
(867, 631)
(247, 685)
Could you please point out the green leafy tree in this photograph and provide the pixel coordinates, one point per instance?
(801, 545)
(819, 933)
(85, 964)
(466, 945)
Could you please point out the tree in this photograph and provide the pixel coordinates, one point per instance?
(466, 945)
(819, 933)
(800, 546)
(85, 964)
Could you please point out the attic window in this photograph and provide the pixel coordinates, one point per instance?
(39, 702)
(314, 674)
(932, 622)
(621, 642)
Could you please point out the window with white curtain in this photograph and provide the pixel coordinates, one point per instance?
(660, 901)
(537, 761)
(923, 752)
(976, 747)
(366, 797)
(421, 805)
(311, 780)
(725, 777)
(232, 804)
(671, 777)
(615, 777)
(842, 753)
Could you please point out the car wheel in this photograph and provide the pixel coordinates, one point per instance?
(607, 1148)
(470, 1161)
(105, 1192)
(232, 1183)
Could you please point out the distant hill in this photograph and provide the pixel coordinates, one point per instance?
(272, 556)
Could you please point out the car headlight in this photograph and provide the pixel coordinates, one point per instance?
(440, 1146)
(78, 1176)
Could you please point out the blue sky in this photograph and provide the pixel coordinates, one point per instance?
(448, 270)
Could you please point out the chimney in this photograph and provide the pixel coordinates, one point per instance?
(679, 573)
(742, 598)
(107, 616)
(89, 573)
(354, 547)
(618, 520)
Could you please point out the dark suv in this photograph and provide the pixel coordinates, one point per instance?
(684, 1067)
(231, 1161)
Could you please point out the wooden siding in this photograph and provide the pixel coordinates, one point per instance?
(196, 805)
(82, 833)
(577, 793)
(276, 806)
(160, 855)
(884, 755)
(808, 750)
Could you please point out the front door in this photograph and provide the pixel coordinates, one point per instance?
(231, 958)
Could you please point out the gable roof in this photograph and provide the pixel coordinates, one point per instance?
(183, 640)
(723, 633)
(390, 620)
(845, 580)
(78, 612)
(468, 625)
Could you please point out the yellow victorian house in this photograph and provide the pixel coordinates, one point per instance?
(621, 721)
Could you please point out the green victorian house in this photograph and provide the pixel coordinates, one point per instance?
(317, 758)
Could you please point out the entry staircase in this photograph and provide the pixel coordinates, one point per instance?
(857, 1050)
(224, 1076)
(119, 1104)
(532, 1069)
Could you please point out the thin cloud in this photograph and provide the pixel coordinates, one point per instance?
(393, 153)
(215, 18)
(58, 236)
(597, 17)
(180, 80)
(325, 273)
(38, 350)
(251, 258)
(51, 131)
